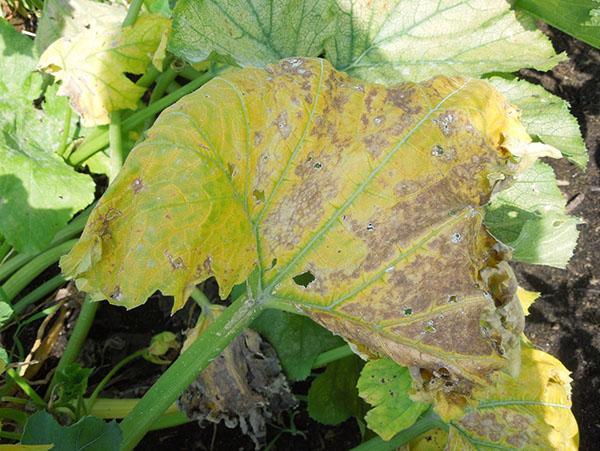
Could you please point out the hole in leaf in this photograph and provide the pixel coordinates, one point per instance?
(318, 165)
(408, 311)
(273, 263)
(452, 299)
(304, 279)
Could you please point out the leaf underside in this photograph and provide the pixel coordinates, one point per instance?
(358, 204)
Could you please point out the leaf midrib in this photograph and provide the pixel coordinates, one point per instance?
(349, 201)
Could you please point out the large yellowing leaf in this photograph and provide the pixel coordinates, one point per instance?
(529, 412)
(93, 63)
(358, 204)
(377, 40)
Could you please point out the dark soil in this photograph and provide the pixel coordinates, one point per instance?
(566, 320)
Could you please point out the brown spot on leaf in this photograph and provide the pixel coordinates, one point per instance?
(137, 185)
(175, 262)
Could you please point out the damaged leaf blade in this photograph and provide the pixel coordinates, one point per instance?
(93, 63)
(360, 205)
(529, 412)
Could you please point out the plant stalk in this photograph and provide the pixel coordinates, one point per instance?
(231, 322)
(101, 140)
(132, 13)
(332, 355)
(106, 379)
(427, 422)
(115, 138)
(34, 268)
(43, 290)
(77, 338)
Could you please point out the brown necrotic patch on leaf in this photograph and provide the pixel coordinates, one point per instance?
(375, 192)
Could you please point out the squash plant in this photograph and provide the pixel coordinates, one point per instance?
(369, 165)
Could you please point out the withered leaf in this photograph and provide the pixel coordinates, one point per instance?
(359, 204)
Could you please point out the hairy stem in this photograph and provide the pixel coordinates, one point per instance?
(186, 368)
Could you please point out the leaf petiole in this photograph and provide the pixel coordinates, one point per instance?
(428, 421)
(101, 140)
(230, 323)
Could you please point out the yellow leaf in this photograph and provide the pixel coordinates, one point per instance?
(432, 440)
(527, 298)
(529, 412)
(359, 204)
(92, 64)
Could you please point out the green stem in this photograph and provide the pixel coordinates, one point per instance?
(201, 299)
(425, 423)
(77, 338)
(4, 249)
(24, 385)
(190, 73)
(34, 268)
(43, 290)
(132, 13)
(71, 230)
(15, 415)
(186, 368)
(159, 90)
(115, 138)
(64, 137)
(92, 146)
(110, 375)
(109, 408)
(10, 435)
(332, 355)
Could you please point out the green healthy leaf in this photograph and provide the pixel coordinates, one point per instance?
(89, 433)
(412, 40)
(66, 18)
(530, 217)
(17, 58)
(297, 340)
(381, 40)
(39, 192)
(5, 313)
(333, 396)
(579, 18)
(545, 116)
(373, 195)
(386, 386)
(159, 7)
(254, 33)
(92, 64)
(530, 412)
(4, 358)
